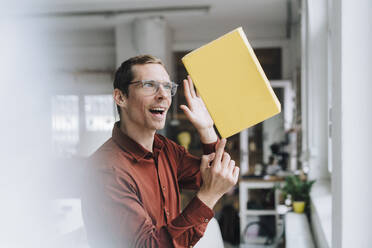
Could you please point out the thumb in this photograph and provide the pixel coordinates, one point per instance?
(206, 159)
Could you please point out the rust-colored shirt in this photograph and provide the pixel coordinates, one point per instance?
(133, 196)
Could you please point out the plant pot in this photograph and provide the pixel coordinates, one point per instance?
(299, 206)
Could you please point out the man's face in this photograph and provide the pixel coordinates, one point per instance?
(143, 111)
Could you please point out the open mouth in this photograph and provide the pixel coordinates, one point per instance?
(158, 112)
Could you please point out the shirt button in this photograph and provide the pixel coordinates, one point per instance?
(206, 220)
(163, 188)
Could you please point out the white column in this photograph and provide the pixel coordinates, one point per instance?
(148, 35)
(352, 123)
(315, 111)
(124, 43)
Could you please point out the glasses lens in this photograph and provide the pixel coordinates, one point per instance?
(174, 89)
(169, 87)
(151, 87)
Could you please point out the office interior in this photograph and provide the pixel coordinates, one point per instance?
(58, 63)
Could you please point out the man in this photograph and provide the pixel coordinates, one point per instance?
(133, 198)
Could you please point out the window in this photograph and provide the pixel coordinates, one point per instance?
(65, 124)
(99, 112)
(73, 116)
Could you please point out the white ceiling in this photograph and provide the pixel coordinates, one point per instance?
(259, 17)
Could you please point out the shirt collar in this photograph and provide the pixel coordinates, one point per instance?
(129, 145)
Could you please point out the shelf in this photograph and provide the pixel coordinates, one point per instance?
(259, 212)
(245, 193)
(255, 242)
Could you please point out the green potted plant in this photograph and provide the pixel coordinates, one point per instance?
(299, 190)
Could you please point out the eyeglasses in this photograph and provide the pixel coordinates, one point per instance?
(151, 87)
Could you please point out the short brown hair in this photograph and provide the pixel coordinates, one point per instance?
(124, 74)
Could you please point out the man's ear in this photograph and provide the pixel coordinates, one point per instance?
(120, 98)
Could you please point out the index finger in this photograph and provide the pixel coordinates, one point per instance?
(219, 151)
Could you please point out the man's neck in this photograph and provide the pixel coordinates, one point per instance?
(144, 138)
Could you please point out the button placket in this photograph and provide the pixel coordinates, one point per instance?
(166, 211)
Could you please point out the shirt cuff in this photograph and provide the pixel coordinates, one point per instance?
(209, 148)
(196, 212)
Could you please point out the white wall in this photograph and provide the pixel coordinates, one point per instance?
(350, 38)
(352, 124)
(83, 50)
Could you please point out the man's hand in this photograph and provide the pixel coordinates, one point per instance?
(219, 177)
(198, 114)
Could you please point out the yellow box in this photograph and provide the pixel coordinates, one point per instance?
(231, 82)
